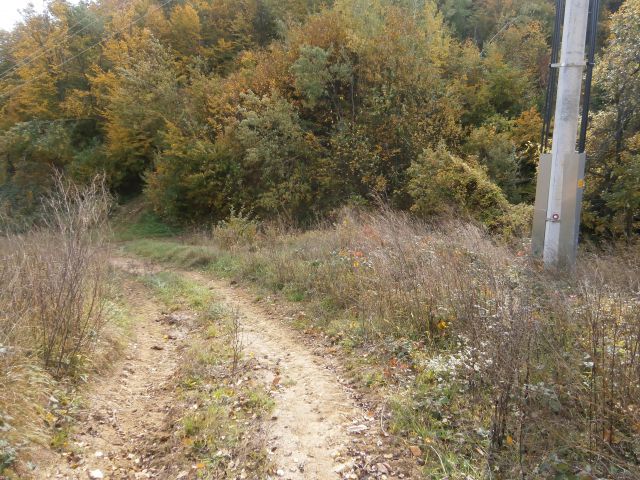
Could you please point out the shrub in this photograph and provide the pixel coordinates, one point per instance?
(51, 305)
(442, 184)
(53, 277)
(239, 229)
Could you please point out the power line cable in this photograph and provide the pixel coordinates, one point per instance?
(592, 35)
(18, 87)
(42, 51)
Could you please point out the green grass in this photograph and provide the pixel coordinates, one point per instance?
(429, 415)
(185, 256)
(176, 291)
(147, 225)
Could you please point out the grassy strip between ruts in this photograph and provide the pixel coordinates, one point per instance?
(220, 404)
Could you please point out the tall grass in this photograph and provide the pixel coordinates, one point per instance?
(514, 373)
(51, 300)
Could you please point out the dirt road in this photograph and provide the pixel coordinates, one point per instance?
(317, 430)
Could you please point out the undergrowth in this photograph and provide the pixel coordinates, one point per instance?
(59, 318)
(147, 225)
(499, 369)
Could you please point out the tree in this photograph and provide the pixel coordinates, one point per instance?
(613, 141)
(29, 154)
(184, 30)
(144, 71)
(283, 165)
(194, 179)
(624, 197)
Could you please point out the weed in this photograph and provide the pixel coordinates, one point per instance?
(60, 439)
(235, 332)
(238, 230)
(222, 426)
(502, 370)
(56, 293)
(7, 455)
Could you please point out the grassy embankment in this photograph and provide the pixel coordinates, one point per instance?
(493, 367)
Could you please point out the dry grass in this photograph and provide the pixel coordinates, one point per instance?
(51, 304)
(511, 372)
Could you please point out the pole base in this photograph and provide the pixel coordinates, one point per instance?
(568, 217)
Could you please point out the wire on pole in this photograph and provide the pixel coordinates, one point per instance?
(133, 22)
(594, 11)
(553, 75)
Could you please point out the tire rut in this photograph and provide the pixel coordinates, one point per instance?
(120, 432)
(318, 431)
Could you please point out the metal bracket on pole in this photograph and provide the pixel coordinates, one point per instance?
(563, 65)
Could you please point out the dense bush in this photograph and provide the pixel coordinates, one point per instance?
(442, 184)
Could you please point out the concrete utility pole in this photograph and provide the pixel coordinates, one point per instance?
(560, 181)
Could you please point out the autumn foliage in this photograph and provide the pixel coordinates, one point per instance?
(294, 108)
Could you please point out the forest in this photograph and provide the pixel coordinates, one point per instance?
(260, 239)
(293, 108)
